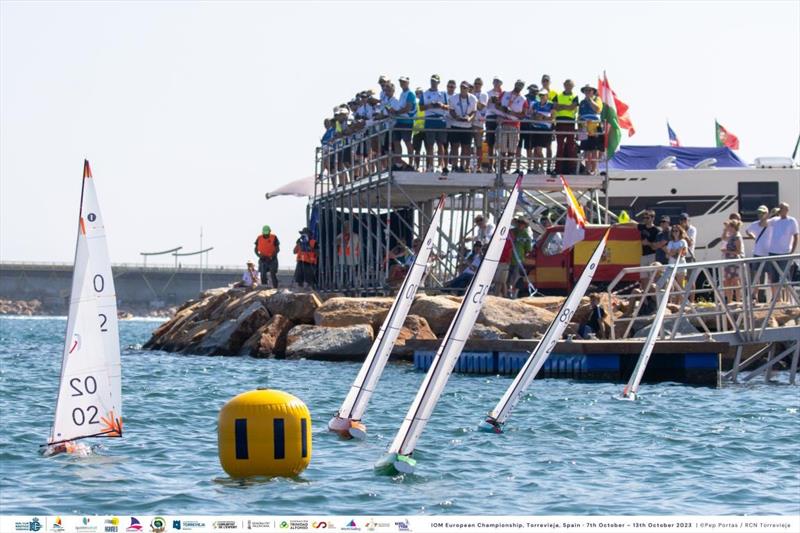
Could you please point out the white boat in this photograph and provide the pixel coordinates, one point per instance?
(347, 421)
(89, 402)
(526, 375)
(398, 458)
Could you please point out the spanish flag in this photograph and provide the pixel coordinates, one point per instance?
(576, 219)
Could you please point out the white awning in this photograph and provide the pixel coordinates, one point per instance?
(301, 187)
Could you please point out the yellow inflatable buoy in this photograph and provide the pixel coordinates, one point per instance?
(264, 433)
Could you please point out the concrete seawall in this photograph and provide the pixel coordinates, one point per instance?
(138, 287)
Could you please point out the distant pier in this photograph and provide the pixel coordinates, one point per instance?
(139, 288)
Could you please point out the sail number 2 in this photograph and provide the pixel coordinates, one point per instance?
(87, 385)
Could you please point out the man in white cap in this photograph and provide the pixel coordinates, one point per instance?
(463, 107)
(514, 107)
(494, 95)
(434, 103)
(480, 119)
(761, 234)
(405, 110)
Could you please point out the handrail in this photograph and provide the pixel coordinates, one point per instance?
(370, 150)
(733, 307)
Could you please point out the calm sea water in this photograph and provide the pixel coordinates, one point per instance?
(571, 448)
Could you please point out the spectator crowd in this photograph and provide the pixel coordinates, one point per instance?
(464, 129)
(775, 233)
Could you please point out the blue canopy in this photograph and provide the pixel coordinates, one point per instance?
(647, 157)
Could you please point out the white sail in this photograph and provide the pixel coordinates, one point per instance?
(555, 330)
(355, 404)
(457, 334)
(89, 397)
(632, 387)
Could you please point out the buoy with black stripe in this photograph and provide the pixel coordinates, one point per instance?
(264, 432)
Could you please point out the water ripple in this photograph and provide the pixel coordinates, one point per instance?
(570, 447)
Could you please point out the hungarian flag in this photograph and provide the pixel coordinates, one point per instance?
(726, 138)
(615, 116)
(673, 139)
(576, 219)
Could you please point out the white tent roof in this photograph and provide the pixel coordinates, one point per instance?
(301, 187)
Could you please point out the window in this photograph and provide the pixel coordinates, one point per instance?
(554, 244)
(755, 193)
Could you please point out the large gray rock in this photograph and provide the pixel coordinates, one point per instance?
(322, 342)
(270, 339)
(299, 307)
(227, 338)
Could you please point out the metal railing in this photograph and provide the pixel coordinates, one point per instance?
(746, 302)
(383, 146)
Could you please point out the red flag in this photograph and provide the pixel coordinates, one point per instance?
(726, 138)
(623, 117)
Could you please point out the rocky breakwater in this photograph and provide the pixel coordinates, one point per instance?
(285, 324)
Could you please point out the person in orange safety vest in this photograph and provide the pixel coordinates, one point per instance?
(267, 247)
(305, 249)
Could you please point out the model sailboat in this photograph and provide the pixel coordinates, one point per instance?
(399, 457)
(89, 400)
(501, 412)
(347, 421)
(631, 390)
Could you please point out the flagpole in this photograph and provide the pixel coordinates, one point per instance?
(796, 146)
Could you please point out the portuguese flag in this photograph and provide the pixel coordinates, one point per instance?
(725, 138)
(615, 116)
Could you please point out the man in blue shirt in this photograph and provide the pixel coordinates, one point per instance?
(405, 111)
(542, 129)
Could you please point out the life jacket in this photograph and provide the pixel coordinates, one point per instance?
(266, 245)
(305, 251)
(348, 247)
(565, 99)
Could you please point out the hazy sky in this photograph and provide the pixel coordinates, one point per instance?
(189, 112)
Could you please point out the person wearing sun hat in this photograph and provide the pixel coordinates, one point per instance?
(589, 123)
(250, 276)
(305, 250)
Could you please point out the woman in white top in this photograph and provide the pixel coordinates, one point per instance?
(677, 247)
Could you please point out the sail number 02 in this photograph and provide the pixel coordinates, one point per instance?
(89, 386)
